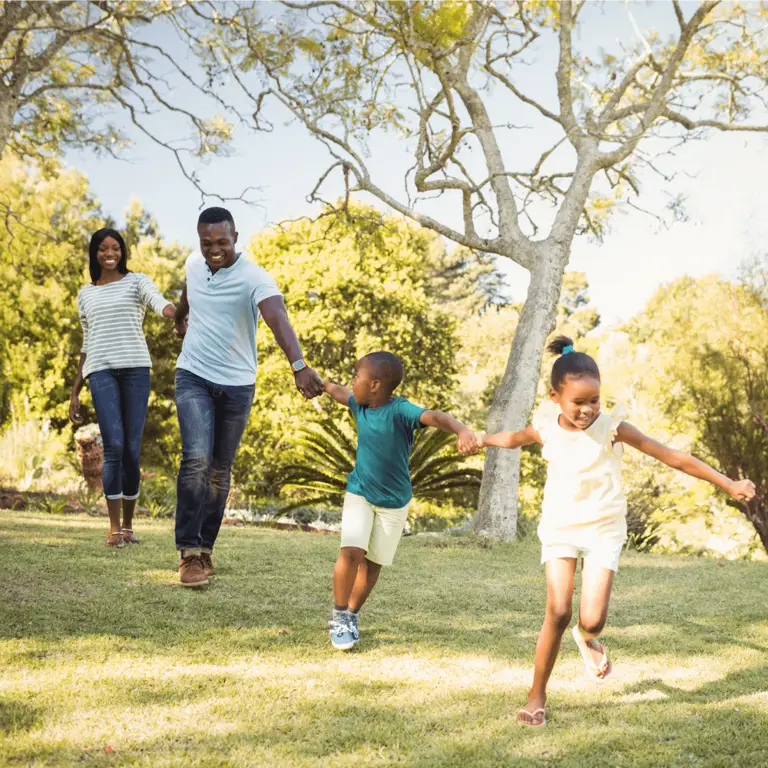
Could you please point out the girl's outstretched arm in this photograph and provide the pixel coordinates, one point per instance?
(525, 436)
(337, 392)
(741, 490)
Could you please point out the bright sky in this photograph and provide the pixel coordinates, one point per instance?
(722, 180)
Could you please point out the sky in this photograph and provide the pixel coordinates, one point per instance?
(720, 178)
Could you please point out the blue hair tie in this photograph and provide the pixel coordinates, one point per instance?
(568, 349)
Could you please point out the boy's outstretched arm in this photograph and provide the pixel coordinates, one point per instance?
(525, 436)
(337, 392)
(741, 490)
(467, 440)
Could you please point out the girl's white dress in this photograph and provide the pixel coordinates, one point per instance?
(584, 505)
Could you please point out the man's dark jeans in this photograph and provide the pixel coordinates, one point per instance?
(212, 418)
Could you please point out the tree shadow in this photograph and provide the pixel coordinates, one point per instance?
(451, 598)
(16, 716)
(742, 682)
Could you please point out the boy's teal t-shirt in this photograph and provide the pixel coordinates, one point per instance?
(384, 439)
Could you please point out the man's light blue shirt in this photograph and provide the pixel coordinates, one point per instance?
(220, 344)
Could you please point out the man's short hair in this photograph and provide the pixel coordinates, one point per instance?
(386, 367)
(215, 216)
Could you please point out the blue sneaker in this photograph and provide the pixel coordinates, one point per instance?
(353, 626)
(343, 636)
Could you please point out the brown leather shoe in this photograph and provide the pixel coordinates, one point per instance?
(208, 564)
(192, 572)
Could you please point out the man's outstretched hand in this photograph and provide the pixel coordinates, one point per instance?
(309, 383)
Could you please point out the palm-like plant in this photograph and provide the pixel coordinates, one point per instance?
(329, 456)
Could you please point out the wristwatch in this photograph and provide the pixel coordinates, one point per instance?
(299, 365)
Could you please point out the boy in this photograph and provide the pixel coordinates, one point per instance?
(379, 487)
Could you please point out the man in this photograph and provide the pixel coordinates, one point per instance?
(215, 380)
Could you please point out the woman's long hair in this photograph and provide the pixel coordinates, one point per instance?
(97, 239)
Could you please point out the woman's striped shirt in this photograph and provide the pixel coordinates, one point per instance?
(112, 317)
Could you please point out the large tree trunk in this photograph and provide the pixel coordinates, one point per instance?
(497, 510)
(757, 514)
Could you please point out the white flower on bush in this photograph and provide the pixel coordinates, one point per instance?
(87, 433)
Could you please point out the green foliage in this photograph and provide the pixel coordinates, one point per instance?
(158, 495)
(33, 456)
(327, 456)
(71, 65)
(49, 504)
(425, 515)
(712, 377)
(90, 500)
(41, 274)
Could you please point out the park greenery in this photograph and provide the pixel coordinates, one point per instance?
(435, 75)
(375, 281)
(105, 663)
(441, 79)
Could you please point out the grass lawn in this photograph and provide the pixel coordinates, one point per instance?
(106, 661)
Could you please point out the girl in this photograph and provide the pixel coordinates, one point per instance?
(115, 360)
(584, 509)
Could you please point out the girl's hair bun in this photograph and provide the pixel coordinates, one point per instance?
(558, 344)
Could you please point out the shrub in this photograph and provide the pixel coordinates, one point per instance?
(157, 495)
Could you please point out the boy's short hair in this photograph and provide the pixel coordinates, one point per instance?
(386, 367)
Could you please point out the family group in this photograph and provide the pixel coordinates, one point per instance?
(584, 509)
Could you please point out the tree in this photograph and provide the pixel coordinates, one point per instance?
(41, 274)
(351, 287)
(444, 77)
(67, 66)
(714, 375)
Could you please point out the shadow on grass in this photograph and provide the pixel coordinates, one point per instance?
(743, 682)
(274, 590)
(16, 717)
(460, 729)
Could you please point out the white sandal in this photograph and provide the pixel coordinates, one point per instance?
(590, 667)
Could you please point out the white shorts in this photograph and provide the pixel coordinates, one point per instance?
(603, 555)
(377, 530)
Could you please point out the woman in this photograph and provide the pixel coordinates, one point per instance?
(115, 360)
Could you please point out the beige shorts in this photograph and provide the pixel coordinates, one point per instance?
(377, 530)
(603, 555)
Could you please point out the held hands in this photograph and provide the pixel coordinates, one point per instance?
(742, 490)
(467, 442)
(470, 443)
(75, 414)
(309, 383)
(180, 325)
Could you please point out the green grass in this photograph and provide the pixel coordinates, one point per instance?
(105, 660)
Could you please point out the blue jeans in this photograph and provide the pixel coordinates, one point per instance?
(120, 397)
(212, 419)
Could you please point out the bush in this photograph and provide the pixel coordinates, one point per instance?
(425, 515)
(157, 495)
(33, 456)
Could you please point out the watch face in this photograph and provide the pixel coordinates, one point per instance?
(299, 365)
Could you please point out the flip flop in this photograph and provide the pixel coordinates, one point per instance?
(533, 714)
(590, 667)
